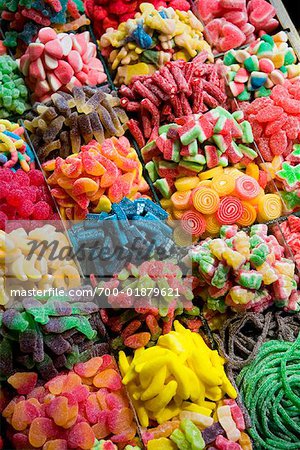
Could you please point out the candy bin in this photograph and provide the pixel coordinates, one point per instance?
(14, 94)
(132, 49)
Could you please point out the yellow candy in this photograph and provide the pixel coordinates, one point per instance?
(268, 273)
(212, 224)
(285, 268)
(242, 244)
(233, 258)
(139, 69)
(278, 59)
(156, 384)
(161, 444)
(206, 183)
(252, 170)
(104, 204)
(208, 174)
(217, 247)
(166, 203)
(186, 183)
(193, 407)
(269, 207)
(198, 419)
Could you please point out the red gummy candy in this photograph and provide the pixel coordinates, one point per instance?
(269, 114)
(89, 368)
(278, 143)
(81, 436)
(26, 208)
(92, 409)
(3, 219)
(41, 211)
(137, 340)
(120, 420)
(108, 378)
(22, 178)
(23, 382)
(264, 148)
(15, 197)
(40, 430)
(36, 177)
(101, 429)
(57, 409)
(6, 175)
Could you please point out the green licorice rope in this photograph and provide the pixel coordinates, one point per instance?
(270, 389)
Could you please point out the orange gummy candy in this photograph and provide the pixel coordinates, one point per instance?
(88, 368)
(108, 378)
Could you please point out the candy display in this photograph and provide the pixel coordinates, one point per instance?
(106, 15)
(96, 177)
(132, 231)
(15, 153)
(33, 259)
(60, 127)
(154, 37)
(245, 271)
(23, 19)
(50, 336)
(271, 379)
(24, 195)
(13, 92)
(275, 120)
(242, 335)
(178, 88)
(149, 258)
(266, 63)
(60, 61)
(231, 24)
(72, 409)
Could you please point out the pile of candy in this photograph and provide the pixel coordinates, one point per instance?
(178, 89)
(290, 229)
(13, 92)
(96, 177)
(24, 196)
(182, 389)
(25, 18)
(71, 410)
(33, 259)
(245, 271)
(256, 69)
(50, 335)
(60, 61)
(154, 37)
(233, 23)
(14, 152)
(132, 231)
(106, 15)
(271, 380)
(63, 125)
(275, 120)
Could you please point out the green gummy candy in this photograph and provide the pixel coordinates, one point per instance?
(230, 75)
(250, 279)
(248, 151)
(180, 440)
(283, 69)
(165, 128)
(247, 132)
(229, 58)
(251, 64)
(164, 188)
(192, 434)
(216, 304)
(194, 167)
(259, 255)
(220, 276)
(263, 92)
(151, 169)
(255, 240)
(265, 48)
(290, 199)
(244, 96)
(289, 58)
(199, 159)
(268, 38)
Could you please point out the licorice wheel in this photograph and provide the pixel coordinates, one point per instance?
(230, 210)
(205, 200)
(246, 187)
(249, 215)
(193, 222)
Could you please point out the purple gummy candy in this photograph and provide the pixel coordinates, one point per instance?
(211, 433)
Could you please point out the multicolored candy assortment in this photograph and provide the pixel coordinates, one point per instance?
(245, 271)
(266, 63)
(164, 233)
(60, 127)
(104, 14)
(60, 61)
(233, 23)
(154, 37)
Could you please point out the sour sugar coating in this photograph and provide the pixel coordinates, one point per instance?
(60, 61)
(53, 333)
(73, 410)
(267, 62)
(245, 271)
(231, 24)
(110, 15)
(136, 226)
(275, 361)
(132, 48)
(15, 153)
(22, 21)
(98, 176)
(13, 92)
(63, 125)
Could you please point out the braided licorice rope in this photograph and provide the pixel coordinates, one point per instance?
(270, 389)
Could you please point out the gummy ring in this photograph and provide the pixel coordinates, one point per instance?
(269, 207)
(66, 277)
(181, 199)
(223, 184)
(205, 200)
(186, 183)
(248, 216)
(246, 187)
(230, 210)
(177, 213)
(212, 224)
(193, 223)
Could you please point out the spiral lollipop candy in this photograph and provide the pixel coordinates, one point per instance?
(247, 187)
(193, 222)
(212, 224)
(269, 207)
(205, 200)
(230, 210)
(223, 184)
(249, 215)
